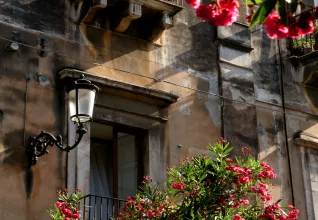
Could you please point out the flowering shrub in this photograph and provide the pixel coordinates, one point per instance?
(66, 206)
(203, 188)
(221, 13)
(278, 24)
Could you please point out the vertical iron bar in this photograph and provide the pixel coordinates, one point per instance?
(95, 212)
(107, 208)
(101, 206)
(84, 209)
(90, 205)
(76, 101)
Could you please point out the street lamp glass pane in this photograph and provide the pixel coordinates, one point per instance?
(86, 99)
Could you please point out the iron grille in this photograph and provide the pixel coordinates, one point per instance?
(174, 2)
(305, 44)
(95, 207)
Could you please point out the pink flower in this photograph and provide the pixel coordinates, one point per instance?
(282, 217)
(262, 185)
(262, 191)
(245, 202)
(194, 3)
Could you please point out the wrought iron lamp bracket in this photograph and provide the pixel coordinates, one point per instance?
(37, 146)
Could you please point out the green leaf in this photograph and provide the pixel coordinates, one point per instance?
(262, 12)
(293, 5)
(282, 11)
(228, 150)
(255, 16)
(251, 2)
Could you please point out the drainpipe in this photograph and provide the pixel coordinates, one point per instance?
(219, 81)
(281, 70)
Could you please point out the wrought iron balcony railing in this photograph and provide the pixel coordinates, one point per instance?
(95, 207)
(174, 2)
(307, 43)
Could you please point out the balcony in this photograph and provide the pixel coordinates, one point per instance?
(100, 207)
(307, 44)
(145, 19)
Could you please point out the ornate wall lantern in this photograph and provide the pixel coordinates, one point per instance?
(81, 102)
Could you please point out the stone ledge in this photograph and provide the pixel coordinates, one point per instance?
(235, 44)
(161, 97)
(304, 59)
(307, 141)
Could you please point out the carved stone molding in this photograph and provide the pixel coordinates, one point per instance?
(133, 12)
(145, 19)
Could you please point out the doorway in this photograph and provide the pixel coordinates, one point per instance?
(116, 160)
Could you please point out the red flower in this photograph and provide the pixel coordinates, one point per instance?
(269, 197)
(294, 30)
(205, 12)
(305, 23)
(293, 214)
(291, 207)
(194, 3)
(67, 212)
(178, 186)
(282, 217)
(228, 160)
(150, 214)
(275, 28)
(222, 14)
(76, 215)
(244, 179)
(237, 217)
(60, 204)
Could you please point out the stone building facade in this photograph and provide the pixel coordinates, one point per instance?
(170, 85)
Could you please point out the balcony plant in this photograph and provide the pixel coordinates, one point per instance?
(316, 37)
(304, 45)
(67, 205)
(206, 188)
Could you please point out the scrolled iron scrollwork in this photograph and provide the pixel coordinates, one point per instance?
(38, 146)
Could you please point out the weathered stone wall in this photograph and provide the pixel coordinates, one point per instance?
(186, 63)
(300, 93)
(49, 42)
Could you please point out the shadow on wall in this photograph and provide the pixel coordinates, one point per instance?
(310, 79)
(201, 58)
(42, 15)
